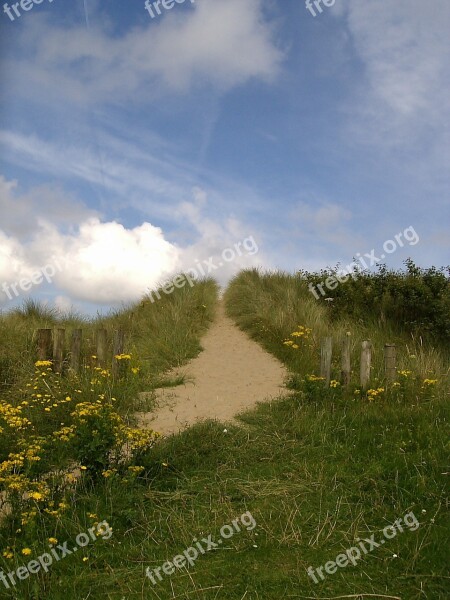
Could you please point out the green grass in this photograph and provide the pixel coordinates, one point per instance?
(270, 306)
(313, 477)
(162, 335)
(315, 471)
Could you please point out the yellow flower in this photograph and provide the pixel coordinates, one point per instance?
(108, 473)
(334, 383)
(314, 378)
(136, 470)
(43, 363)
(26, 551)
(52, 540)
(36, 496)
(8, 554)
(85, 558)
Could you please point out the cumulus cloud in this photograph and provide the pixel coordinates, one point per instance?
(20, 213)
(101, 262)
(106, 263)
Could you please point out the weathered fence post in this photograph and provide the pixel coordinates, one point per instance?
(44, 344)
(345, 361)
(390, 360)
(75, 350)
(101, 346)
(366, 362)
(325, 359)
(58, 349)
(119, 344)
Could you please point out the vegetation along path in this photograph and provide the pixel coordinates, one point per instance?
(232, 374)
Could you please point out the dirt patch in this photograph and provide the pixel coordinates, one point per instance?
(231, 375)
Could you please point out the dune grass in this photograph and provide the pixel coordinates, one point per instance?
(317, 471)
(162, 334)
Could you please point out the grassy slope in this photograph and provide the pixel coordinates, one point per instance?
(314, 477)
(162, 334)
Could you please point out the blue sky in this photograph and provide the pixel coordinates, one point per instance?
(132, 148)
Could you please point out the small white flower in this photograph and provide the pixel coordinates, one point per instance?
(423, 511)
(255, 546)
(394, 556)
(225, 430)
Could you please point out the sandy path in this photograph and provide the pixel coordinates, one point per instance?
(232, 373)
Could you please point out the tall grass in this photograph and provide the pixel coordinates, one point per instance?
(317, 474)
(162, 334)
(270, 306)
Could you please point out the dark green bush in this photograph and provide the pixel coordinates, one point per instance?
(414, 300)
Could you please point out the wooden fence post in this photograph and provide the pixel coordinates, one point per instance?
(345, 362)
(44, 344)
(119, 344)
(101, 344)
(390, 362)
(366, 362)
(58, 349)
(75, 350)
(325, 359)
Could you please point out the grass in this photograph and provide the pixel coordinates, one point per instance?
(316, 470)
(314, 479)
(159, 333)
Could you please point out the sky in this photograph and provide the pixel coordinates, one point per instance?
(215, 136)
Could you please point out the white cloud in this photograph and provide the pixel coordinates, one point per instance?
(92, 260)
(13, 261)
(64, 304)
(219, 43)
(403, 47)
(218, 237)
(107, 263)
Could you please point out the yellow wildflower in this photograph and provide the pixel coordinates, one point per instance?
(43, 363)
(36, 496)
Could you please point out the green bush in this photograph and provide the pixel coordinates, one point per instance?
(415, 301)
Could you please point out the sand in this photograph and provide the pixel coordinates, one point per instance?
(230, 375)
